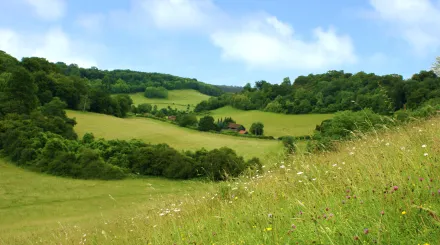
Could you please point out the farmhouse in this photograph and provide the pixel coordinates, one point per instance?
(172, 118)
(234, 126)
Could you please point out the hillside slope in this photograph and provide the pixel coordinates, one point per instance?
(384, 189)
(275, 124)
(33, 202)
(179, 99)
(156, 132)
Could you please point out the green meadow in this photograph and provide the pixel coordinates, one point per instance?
(155, 131)
(34, 204)
(383, 189)
(179, 99)
(274, 124)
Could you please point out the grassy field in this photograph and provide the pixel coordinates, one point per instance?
(154, 131)
(176, 99)
(274, 124)
(384, 189)
(32, 203)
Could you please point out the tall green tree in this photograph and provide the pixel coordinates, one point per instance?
(206, 123)
(19, 94)
(257, 128)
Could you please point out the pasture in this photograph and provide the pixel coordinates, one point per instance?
(383, 189)
(179, 99)
(155, 131)
(35, 204)
(274, 124)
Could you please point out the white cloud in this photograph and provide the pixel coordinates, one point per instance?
(91, 22)
(415, 21)
(260, 41)
(270, 43)
(55, 45)
(48, 9)
(179, 14)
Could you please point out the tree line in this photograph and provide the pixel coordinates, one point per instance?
(127, 81)
(331, 92)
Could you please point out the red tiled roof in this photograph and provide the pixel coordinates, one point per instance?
(233, 126)
(242, 132)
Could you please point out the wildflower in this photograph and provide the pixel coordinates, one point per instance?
(382, 212)
(327, 209)
(421, 179)
(270, 215)
(293, 226)
(299, 173)
(314, 179)
(236, 198)
(356, 238)
(404, 212)
(268, 228)
(334, 165)
(423, 146)
(426, 154)
(351, 153)
(387, 144)
(366, 231)
(395, 187)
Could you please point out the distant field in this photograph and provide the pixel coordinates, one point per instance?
(32, 202)
(154, 131)
(274, 124)
(176, 99)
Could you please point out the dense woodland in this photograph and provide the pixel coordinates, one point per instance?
(333, 91)
(127, 81)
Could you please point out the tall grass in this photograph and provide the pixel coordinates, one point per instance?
(383, 189)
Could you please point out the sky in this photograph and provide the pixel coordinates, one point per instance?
(230, 42)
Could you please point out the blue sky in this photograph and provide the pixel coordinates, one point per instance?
(227, 41)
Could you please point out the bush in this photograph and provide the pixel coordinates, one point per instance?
(223, 163)
(206, 123)
(289, 143)
(257, 128)
(156, 92)
(144, 108)
(186, 120)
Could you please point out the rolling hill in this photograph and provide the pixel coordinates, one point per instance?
(154, 131)
(275, 124)
(176, 99)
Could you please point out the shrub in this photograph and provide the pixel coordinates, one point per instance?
(156, 92)
(185, 120)
(206, 123)
(257, 128)
(289, 143)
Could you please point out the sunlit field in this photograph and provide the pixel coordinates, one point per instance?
(33, 205)
(179, 99)
(155, 131)
(274, 124)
